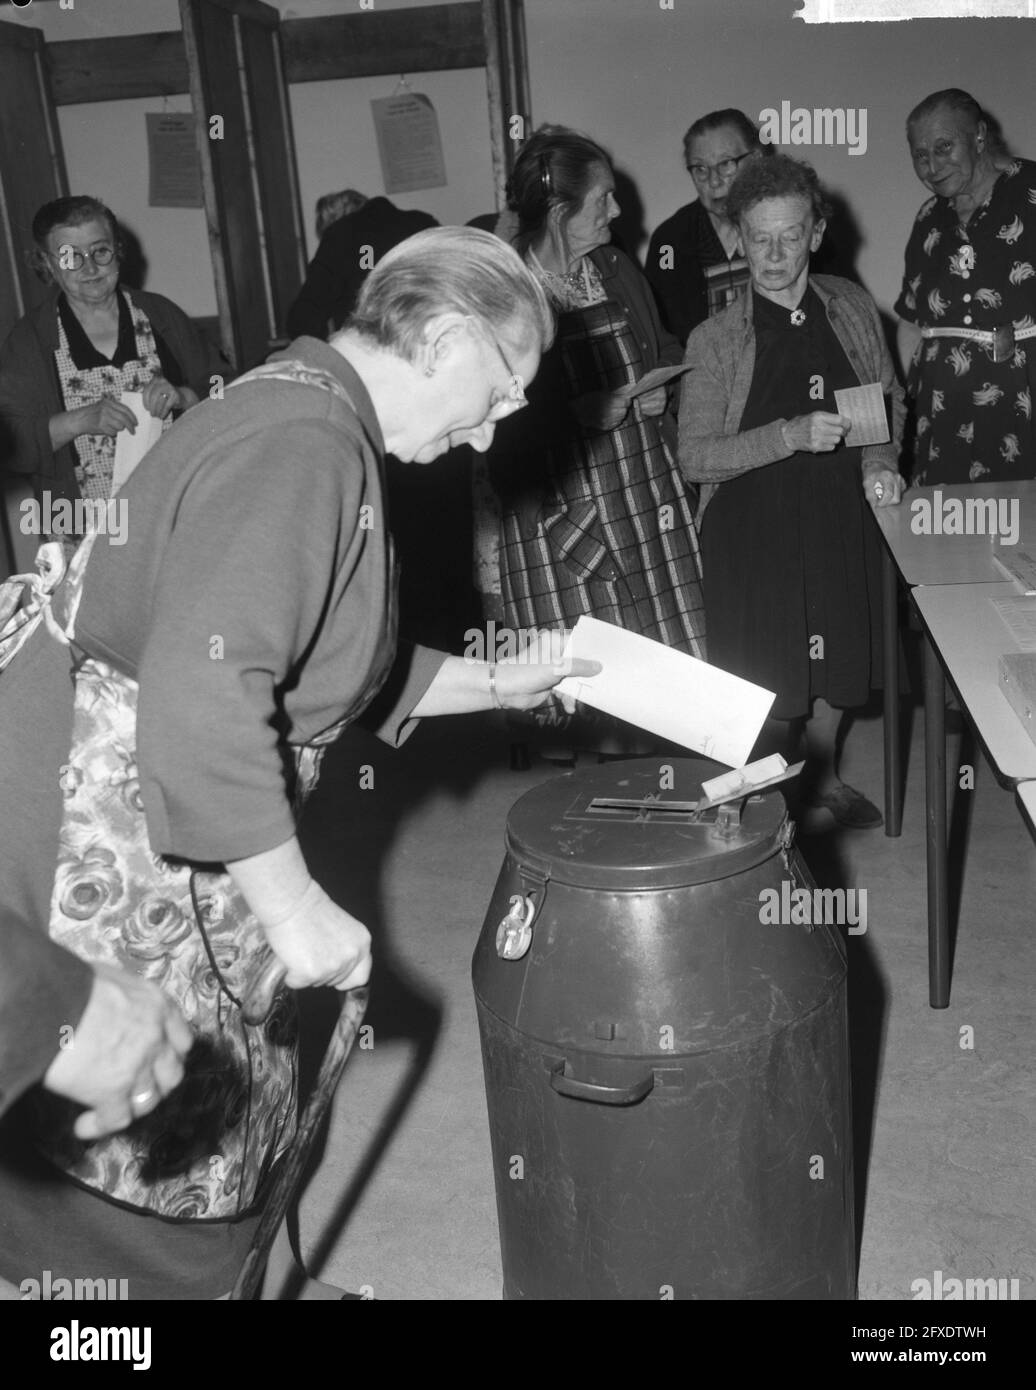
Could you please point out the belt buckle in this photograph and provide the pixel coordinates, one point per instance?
(1003, 342)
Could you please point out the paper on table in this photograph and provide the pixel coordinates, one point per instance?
(658, 376)
(865, 406)
(131, 448)
(667, 692)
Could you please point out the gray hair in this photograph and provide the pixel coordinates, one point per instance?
(963, 105)
(450, 270)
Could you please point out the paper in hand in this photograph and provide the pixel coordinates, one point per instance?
(658, 376)
(865, 407)
(667, 692)
(131, 448)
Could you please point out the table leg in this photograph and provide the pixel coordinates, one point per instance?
(890, 646)
(935, 829)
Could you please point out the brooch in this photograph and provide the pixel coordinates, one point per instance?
(798, 317)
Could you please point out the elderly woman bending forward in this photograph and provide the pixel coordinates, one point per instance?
(790, 558)
(147, 809)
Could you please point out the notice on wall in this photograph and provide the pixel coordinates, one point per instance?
(175, 170)
(408, 142)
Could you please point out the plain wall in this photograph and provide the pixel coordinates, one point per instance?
(628, 72)
(635, 76)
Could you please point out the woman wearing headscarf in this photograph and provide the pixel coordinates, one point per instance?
(792, 578)
(967, 309)
(156, 737)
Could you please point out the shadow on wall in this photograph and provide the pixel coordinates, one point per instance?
(628, 230)
(134, 267)
(843, 241)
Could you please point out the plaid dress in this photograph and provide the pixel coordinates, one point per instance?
(596, 522)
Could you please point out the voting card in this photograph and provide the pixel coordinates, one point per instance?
(131, 448)
(668, 693)
(658, 376)
(865, 407)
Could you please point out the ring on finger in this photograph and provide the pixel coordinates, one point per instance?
(140, 1099)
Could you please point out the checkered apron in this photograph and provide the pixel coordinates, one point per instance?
(85, 386)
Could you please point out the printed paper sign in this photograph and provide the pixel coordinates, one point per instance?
(408, 142)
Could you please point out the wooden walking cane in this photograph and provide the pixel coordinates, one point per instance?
(257, 1006)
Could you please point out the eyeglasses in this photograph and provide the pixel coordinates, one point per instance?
(515, 399)
(71, 258)
(726, 168)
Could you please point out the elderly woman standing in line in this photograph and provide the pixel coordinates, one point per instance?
(595, 517)
(694, 262)
(967, 309)
(792, 583)
(147, 809)
(65, 364)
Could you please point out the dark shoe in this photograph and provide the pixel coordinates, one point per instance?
(850, 808)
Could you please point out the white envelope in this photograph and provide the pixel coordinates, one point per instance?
(131, 448)
(667, 692)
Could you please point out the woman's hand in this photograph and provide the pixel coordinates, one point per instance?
(319, 943)
(652, 402)
(600, 410)
(105, 416)
(528, 679)
(882, 487)
(161, 397)
(816, 433)
(125, 1053)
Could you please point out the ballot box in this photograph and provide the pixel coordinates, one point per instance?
(666, 1066)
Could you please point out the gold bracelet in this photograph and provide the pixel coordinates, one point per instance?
(493, 693)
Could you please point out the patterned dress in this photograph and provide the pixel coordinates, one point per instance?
(973, 416)
(595, 522)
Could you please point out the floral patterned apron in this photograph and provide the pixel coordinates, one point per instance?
(85, 386)
(208, 1147)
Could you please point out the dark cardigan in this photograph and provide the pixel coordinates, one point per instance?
(30, 392)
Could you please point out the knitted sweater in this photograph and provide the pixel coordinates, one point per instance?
(721, 350)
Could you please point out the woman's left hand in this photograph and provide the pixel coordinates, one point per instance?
(160, 397)
(882, 487)
(526, 681)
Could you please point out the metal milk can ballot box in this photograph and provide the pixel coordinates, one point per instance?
(667, 1075)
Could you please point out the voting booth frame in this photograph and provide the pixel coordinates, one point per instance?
(236, 59)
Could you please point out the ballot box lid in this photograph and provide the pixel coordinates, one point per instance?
(631, 825)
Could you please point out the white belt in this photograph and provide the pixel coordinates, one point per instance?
(1001, 339)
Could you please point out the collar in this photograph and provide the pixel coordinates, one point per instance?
(316, 353)
(606, 259)
(824, 293)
